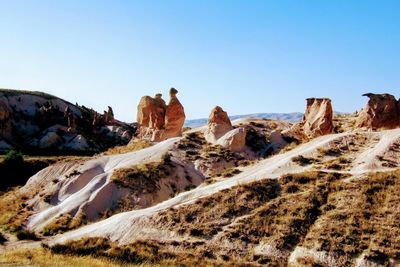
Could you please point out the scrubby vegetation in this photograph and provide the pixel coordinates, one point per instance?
(63, 223)
(14, 210)
(303, 161)
(131, 147)
(143, 178)
(26, 235)
(143, 253)
(44, 257)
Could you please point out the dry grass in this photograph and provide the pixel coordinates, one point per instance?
(143, 178)
(44, 257)
(143, 253)
(14, 211)
(318, 210)
(131, 147)
(303, 161)
(339, 163)
(64, 223)
(361, 216)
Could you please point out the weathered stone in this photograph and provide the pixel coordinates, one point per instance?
(218, 125)
(159, 121)
(318, 118)
(234, 140)
(381, 111)
(174, 116)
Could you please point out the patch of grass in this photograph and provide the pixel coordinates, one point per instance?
(230, 172)
(44, 257)
(131, 147)
(363, 216)
(143, 178)
(143, 253)
(303, 161)
(26, 235)
(14, 211)
(338, 163)
(64, 223)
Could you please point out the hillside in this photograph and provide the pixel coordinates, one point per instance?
(252, 192)
(39, 123)
(220, 215)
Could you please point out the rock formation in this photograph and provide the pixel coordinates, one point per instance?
(317, 121)
(35, 121)
(69, 116)
(159, 121)
(218, 125)
(235, 139)
(318, 118)
(109, 116)
(174, 116)
(381, 111)
(220, 131)
(5, 122)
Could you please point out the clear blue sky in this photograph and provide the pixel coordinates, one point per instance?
(246, 56)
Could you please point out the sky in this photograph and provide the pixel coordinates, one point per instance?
(245, 56)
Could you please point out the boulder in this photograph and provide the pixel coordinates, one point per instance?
(78, 143)
(218, 125)
(234, 140)
(381, 111)
(318, 118)
(50, 140)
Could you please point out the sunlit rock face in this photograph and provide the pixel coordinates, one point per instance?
(318, 118)
(381, 111)
(159, 121)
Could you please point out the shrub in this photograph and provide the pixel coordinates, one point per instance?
(26, 235)
(13, 157)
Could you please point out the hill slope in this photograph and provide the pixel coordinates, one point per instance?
(39, 123)
(321, 214)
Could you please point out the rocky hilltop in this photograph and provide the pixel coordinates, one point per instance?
(39, 123)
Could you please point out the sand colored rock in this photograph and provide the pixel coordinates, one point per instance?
(218, 125)
(235, 140)
(381, 111)
(159, 121)
(174, 116)
(318, 118)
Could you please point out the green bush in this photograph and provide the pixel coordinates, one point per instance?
(13, 157)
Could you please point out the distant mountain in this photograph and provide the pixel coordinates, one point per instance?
(291, 117)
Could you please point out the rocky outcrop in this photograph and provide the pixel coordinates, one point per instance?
(318, 118)
(42, 123)
(109, 116)
(159, 121)
(5, 122)
(235, 140)
(317, 121)
(218, 125)
(381, 111)
(174, 116)
(220, 131)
